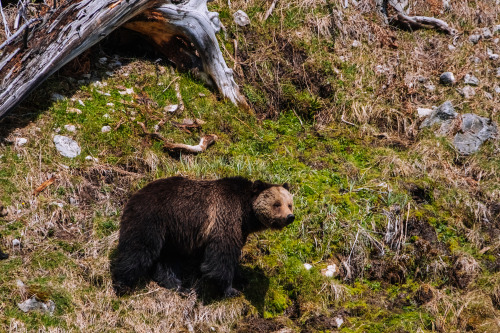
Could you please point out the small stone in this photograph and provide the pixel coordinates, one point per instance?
(339, 321)
(451, 47)
(16, 242)
(307, 266)
(496, 28)
(171, 108)
(474, 39)
(496, 40)
(81, 103)
(90, 158)
(57, 130)
(444, 115)
(58, 204)
(102, 92)
(33, 304)
(471, 80)
(202, 95)
(127, 91)
(74, 110)
(447, 78)
(241, 18)
(110, 104)
(476, 60)
(497, 89)
(423, 112)
(467, 92)
(108, 73)
(106, 115)
(115, 63)
(429, 86)
(488, 95)
(66, 146)
(106, 129)
(57, 97)
(73, 201)
(474, 131)
(103, 60)
(70, 128)
(356, 43)
(498, 72)
(486, 33)
(20, 141)
(86, 76)
(99, 84)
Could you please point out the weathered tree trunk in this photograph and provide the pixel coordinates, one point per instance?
(42, 46)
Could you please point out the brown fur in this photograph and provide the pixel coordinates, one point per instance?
(175, 221)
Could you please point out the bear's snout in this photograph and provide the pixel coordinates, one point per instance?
(289, 219)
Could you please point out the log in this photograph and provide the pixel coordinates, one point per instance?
(30, 56)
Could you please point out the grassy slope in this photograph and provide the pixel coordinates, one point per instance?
(302, 77)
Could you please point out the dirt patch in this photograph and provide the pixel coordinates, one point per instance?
(387, 271)
(424, 294)
(256, 324)
(323, 323)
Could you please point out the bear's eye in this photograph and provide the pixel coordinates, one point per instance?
(277, 204)
(290, 207)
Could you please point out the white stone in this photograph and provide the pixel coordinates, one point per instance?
(468, 92)
(497, 89)
(356, 43)
(106, 129)
(451, 47)
(90, 158)
(486, 33)
(74, 110)
(471, 80)
(67, 147)
(16, 242)
(329, 273)
(99, 84)
(81, 103)
(241, 18)
(339, 321)
(127, 91)
(103, 60)
(106, 115)
(491, 55)
(307, 266)
(70, 128)
(110, 104)
(57, 97)
(171, 107)
(496, 28)
(424, 112)
(20, 141)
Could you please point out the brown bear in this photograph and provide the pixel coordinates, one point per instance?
(175, 221)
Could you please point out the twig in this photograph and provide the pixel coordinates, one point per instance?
(352, 249)
(205, 141)
(18, 32)
(44, 185)
(6, 27)
(269, 11)
(179, 97)
(347, 122)
(168, 86)
(424, 22)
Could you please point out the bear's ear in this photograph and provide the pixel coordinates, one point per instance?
(286, 186)
(258, 186)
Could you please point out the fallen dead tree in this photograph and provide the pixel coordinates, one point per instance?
(44, 44)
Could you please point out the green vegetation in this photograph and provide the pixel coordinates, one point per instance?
(343, 133)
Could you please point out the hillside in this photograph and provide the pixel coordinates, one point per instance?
(401, 228)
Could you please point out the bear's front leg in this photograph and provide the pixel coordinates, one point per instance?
(165, 276)
(219, 264)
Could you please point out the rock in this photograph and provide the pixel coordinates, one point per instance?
(106, 115)
(486, 33)
(33, 304)
(488, 95)
(20, 141)
(444, 115)
(70, 128)
(496, 28)
(171, 108)
(471, 80)
(497, 89)
(476, 60)
(80, 102)
(429, 86)
(67, 147)
(90, 158)
(127, 91)
(498, 72)
(339, 321)
(491, 55)
(110, 104)
(474, 39)
(87, 76)
(99, 84)
(241, 18)
(447, 78)
(103, 60)
(73, 201)
(451, 47)
(16, 242)
(57, 97)
(473, 132)
(307, 266)
(356, 43)
(330, 271)
(106, 129)
(467, 92)
(423, 112)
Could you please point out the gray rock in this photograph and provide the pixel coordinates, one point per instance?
(491, 55)
(20, 141)
(33, 304)
(486, 33)
(57, 97)
(444, 115)
(106, 129)
(241, 18)
(66, 146)
(474, 131)
(496, 28)
(471, 79)
(451, 47)
(467, 92)
(488, 95)
(474, 39)
(476, 60)
(497, 89)
(447, 78)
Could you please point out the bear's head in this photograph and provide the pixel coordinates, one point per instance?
(273, 205)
